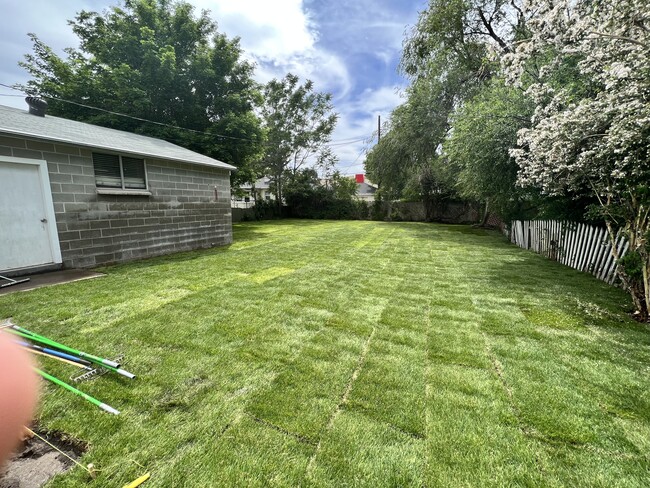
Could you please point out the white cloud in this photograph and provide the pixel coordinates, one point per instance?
(280, 37)
(379, 101)
(269, 29)
(327, 70)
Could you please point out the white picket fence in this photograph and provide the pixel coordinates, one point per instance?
(581, 246)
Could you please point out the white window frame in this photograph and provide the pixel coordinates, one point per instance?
(110, 190)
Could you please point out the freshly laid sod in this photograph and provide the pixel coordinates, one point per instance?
(352, 354)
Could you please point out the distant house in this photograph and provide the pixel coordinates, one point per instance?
(79, 195)
(249, 194)
(365, 189)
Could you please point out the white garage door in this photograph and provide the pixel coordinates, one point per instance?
(28, 234)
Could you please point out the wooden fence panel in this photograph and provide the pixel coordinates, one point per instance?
(581, 246)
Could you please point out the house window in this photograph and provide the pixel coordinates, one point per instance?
(120, 172)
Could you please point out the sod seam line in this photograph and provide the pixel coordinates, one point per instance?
(227, 427)
(471, 367)
(427, 387)
(527, 431)
(610, 454)
(535, 434)
(270, 425)
(498, 370)
(343, 401)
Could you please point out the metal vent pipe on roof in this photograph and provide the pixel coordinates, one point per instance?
(37, 106)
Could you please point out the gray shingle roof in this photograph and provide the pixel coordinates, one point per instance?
(14, 121)
(260, 184)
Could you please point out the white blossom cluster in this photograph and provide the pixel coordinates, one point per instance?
(587, 68)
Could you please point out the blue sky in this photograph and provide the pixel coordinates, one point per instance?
(348, 48)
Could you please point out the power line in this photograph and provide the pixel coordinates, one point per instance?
(356, 138)
(331, 144)
(349, 142)
(354, 163)
(131, 116)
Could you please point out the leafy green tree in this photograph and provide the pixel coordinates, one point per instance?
(455, 43)
(301, 186)
(485, 129)
(343, 188)
(387, 165)
(155, 60)
(306, 197)
(326, 162)
(406, 162)
(447, 57)
(299, 123)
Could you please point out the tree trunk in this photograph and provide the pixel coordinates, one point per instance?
(645, 313)
(429, 208)
(278, 193)
(639, 290)
(486, 213)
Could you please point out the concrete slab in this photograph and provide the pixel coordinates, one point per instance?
(48, 279)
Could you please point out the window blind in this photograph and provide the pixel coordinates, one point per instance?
(107, 170)
(112, 171)
(134, 174)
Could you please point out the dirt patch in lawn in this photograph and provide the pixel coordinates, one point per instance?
(35, 462)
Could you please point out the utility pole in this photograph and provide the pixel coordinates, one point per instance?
(378, 139)
(378, 128)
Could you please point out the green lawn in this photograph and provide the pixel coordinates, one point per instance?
(315, 353)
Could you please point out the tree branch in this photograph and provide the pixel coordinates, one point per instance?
(621, 38)
(600, 200)
(493, 34)
(519, 11)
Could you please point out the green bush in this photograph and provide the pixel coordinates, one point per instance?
(378, 210)
(321, 203)
(266, 210)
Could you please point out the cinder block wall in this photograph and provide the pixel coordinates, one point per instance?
(183, 212)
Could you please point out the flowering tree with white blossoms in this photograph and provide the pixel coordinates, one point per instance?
(586, 66)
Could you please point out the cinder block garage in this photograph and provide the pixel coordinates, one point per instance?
(77, 195)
